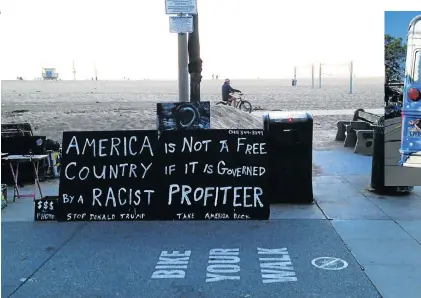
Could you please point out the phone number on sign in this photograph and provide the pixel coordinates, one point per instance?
(246, 132)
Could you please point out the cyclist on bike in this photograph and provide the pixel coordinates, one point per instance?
(227, 92)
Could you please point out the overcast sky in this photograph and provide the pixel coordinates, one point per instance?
(239, 39)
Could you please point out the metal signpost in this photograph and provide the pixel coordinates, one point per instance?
(182, 24)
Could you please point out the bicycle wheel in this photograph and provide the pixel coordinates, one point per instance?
(245, 106)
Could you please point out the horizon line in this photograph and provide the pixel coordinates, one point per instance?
(203, 79)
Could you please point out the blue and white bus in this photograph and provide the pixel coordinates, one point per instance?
(411, 110)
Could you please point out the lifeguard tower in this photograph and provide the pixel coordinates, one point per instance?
(49, 74)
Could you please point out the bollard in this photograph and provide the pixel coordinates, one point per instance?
(377, 165)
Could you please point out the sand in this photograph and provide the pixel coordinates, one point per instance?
(53, 107)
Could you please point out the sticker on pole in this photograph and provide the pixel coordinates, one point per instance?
(181, 6)
(181, 24)
(329, 263)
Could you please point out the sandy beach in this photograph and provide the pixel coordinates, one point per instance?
(56, 106)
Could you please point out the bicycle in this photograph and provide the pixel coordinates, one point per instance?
(241, 104)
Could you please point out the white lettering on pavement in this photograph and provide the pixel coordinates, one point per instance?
(172, 265)
(275, 265)
(223, 264)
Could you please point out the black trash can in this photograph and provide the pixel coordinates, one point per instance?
(378, 165)
(290, 149)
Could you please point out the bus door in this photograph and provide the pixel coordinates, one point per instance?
(411, 110)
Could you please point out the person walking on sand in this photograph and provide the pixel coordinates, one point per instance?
(227, 91)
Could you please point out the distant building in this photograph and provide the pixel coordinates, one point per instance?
(49, 74)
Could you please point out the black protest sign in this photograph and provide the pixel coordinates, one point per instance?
(214, 174)
(46, 208)
(107, 175)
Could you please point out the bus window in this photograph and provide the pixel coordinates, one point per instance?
(417, 68)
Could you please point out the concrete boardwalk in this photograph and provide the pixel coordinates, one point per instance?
(378, 237)
(328, 112)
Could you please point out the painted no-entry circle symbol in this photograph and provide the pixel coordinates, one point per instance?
(329, 263)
